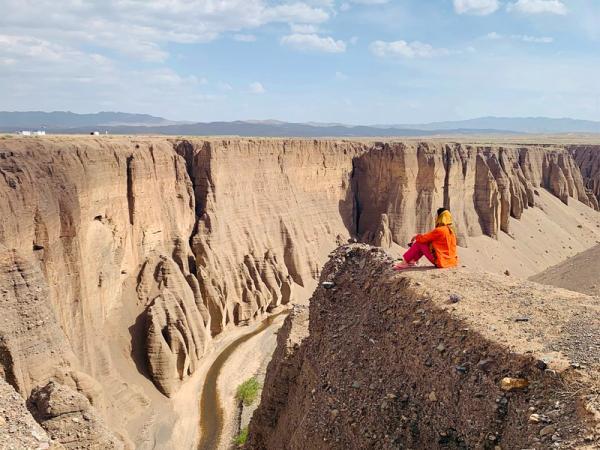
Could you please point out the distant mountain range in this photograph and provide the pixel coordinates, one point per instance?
(65, 120)
(125, 123)
(537, 125)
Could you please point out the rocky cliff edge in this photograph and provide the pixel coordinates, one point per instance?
(432, 359)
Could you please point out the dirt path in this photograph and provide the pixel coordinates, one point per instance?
(211, 410)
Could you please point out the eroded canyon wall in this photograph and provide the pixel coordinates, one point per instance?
(587, 157)
(269, 211)
(80, 218)
(122, 257)
(398, 187)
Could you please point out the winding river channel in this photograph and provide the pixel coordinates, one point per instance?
(211, 409)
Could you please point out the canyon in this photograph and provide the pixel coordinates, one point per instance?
(125, 260)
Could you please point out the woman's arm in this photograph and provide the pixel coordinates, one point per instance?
(428, 237)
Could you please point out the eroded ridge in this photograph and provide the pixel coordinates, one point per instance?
(432, 359)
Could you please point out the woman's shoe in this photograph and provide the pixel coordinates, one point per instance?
(403, 265)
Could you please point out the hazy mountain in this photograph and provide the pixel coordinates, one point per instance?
(124, 123)
(64, 119)
(516, 124)
(250, 129)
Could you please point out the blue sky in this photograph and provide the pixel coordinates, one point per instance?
(350, 61)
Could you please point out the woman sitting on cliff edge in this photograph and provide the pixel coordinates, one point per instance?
(438, 246)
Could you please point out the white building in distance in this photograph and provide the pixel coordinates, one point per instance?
(32, 133)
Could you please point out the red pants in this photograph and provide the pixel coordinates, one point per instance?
(416, 251)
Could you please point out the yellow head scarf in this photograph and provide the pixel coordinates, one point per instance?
(445, 218)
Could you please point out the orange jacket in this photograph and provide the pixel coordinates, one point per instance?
(443, 242)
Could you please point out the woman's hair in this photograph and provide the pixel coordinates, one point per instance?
(441, 210)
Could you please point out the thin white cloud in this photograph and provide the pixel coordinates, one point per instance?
(369, 2)
(26, 50)
(223, 86)
(538, 7)
(244, 37)
(169, 77)
(295, 12)
(534, 39)
(257, 88)
(493, 36)
(403, 49)
(142, 29)
(303, 28)
(521, 37)
(476, 7)
(313, 42)
(340, 76)
(347, 6)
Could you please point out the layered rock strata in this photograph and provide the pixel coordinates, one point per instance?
(587, 157)
(81, 218)
(268, 212)
(398, 186)
(429, 359)
(122, 257)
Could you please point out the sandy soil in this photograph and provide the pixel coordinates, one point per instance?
(579, 273)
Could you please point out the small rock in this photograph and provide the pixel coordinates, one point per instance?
(461, 369)
(432, 397)
(335, 412)
(328, 284)
(510, 384)
(540, 364)
(485, 364)
(547, 430)
(441, 348)
(522, 319)
(356, 384)
(2, 421)
(507, 273)
(534, 418)
(455, 298)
